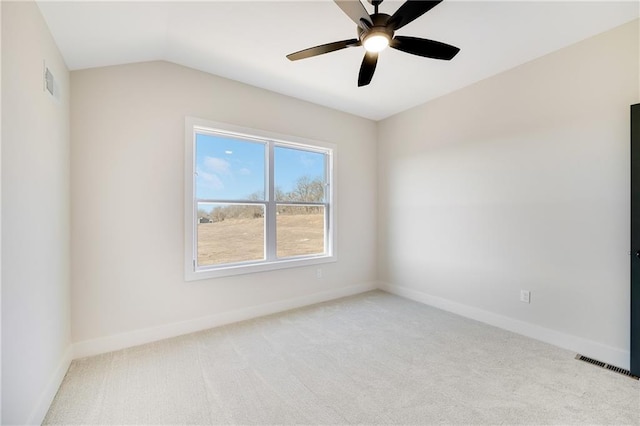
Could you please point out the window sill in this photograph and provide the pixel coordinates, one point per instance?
(232, 270)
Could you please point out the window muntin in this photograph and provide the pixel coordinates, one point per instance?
(256, 202)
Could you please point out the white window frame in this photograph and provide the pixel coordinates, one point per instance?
(192, 272)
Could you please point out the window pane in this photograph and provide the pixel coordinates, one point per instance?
(299, 175)
(300, 230)
(230, 233)
(229, 169)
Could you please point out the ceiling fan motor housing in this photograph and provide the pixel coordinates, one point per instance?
(379, 27)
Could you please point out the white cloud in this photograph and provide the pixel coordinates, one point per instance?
(210, 180)
(244, 171)
(217, 165)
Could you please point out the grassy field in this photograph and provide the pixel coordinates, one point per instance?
(239, 240)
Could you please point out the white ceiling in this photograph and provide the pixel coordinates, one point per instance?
(248, 40)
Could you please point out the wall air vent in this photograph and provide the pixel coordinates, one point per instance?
(606, 366)
(50, 84)
(48, 81)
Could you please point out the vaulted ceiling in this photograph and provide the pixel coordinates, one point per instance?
(248, 41)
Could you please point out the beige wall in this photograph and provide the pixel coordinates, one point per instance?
(127, 171)
(520, 181)
(35, 217)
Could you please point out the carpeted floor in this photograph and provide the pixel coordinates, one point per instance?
(369, 359)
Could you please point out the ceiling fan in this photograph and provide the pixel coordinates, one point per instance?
(377, 31)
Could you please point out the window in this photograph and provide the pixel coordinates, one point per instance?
(255, 201)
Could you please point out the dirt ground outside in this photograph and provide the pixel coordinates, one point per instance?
(241, 240)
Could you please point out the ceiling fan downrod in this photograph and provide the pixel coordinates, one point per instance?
(375, 4)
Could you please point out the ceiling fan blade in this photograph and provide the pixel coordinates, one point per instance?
(423, 47)
(367, 68)
(322, 49)
(410, 10)
(356, 11)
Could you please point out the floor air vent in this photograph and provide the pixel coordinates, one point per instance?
(605, 365)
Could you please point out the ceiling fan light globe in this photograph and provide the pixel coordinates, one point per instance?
(376, 42)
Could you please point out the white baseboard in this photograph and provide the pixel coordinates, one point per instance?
(41, 408)
(595, 350)
(139, 337)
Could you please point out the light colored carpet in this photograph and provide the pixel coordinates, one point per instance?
(369, 359)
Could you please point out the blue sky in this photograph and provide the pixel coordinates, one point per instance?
(232, 169)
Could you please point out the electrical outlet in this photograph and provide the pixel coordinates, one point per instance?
(319, 273)
(525, 296)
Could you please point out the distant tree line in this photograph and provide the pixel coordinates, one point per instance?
(306, 189)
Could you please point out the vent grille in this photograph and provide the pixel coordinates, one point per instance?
(606, 366)
(48, 81)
